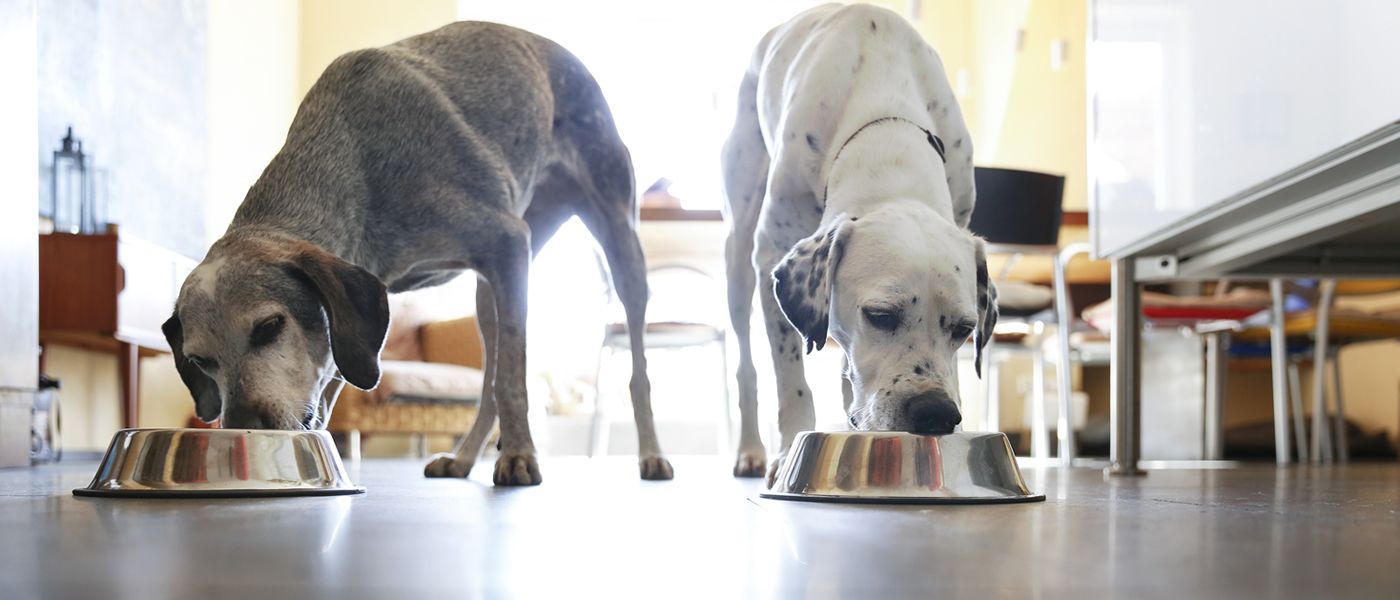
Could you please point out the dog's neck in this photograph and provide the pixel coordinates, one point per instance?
(293, 194)
(892, 160)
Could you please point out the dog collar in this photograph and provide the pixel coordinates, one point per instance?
(933, 140)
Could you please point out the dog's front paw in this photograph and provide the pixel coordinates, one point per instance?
(773, 469)
(446, 464)
(655, 468)
(751, 463)
(517, 469)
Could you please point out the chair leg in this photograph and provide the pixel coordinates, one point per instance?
(1278, 345)
(353, 441)
(1322, 439)
(1063, 368)
(991, 392)
(599, 428)
(1300, 424)
(420, 444)
(1217, 365)
(1040, 426)
(726, 435)
(1339, 419)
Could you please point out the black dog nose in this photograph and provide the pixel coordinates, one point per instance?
(242, 416)
(932, 412)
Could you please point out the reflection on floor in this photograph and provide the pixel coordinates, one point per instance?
(594, 529)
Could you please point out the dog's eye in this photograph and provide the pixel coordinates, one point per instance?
(884, 319)
(204, 364)
(266, 332)
(961, 332)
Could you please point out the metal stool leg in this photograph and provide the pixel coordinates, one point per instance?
(1278, 344)
(1322, 439)
(1300, 425)
(1339, 419)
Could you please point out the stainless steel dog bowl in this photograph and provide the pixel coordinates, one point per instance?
(178, 463)
(892, 467)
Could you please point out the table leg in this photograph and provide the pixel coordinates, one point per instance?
(1125, 440)
(129, 374)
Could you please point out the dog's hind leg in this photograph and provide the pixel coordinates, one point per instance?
(628, 266)
(745, 167)
(459, 462)
(607, 208)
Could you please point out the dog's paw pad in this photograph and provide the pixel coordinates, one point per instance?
(656, 468)
(517, 469)
(750, 464)
(446, 465)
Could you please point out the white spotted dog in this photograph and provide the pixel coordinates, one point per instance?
(849, 183)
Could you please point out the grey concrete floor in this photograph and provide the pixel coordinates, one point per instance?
(594, 530)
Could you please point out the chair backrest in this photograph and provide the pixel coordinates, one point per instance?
(1017, 207)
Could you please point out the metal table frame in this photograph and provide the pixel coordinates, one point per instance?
(1291, 226)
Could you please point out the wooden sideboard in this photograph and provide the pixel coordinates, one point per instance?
(109, 293)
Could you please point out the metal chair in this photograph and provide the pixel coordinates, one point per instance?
(1328, 335)
(672, 323)
(1019, 213)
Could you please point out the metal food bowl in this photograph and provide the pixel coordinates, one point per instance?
(184, 463)
(903, 468)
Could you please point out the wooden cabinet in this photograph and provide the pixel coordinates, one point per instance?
(109, 293)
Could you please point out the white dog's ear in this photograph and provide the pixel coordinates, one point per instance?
(986, 305)
(357, 306)
(802, 281)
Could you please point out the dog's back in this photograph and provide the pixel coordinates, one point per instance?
(429, 132)
(826, 72)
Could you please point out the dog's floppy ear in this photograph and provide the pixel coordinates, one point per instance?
(205, 392)
(986, 305)
(357, 306)
(803, 280)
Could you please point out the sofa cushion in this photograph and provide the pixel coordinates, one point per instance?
(456, 342)
(411, 381)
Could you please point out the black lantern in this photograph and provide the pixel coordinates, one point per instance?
(73, 203)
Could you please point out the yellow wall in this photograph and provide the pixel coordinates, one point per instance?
(253, 95)
(330, 28)
(1022, 112)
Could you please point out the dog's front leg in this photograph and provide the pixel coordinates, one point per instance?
(795, 410)
(460, 461)
(506, 264)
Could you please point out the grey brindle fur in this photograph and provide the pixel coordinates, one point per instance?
(464, 148)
